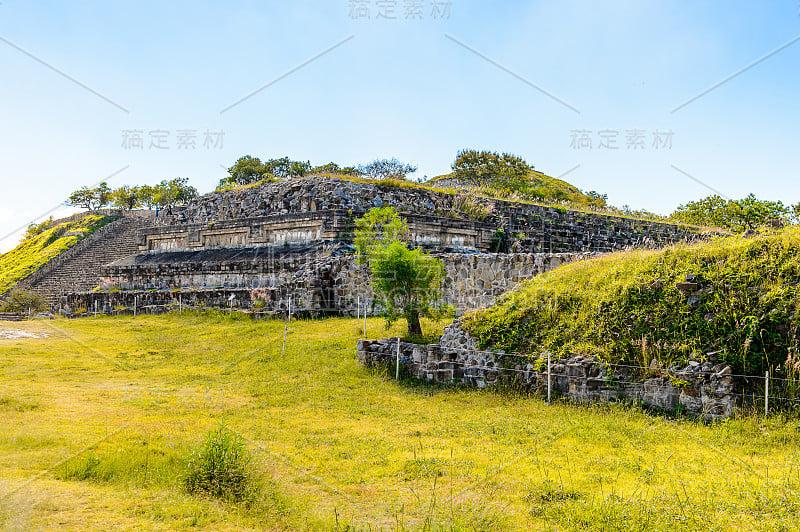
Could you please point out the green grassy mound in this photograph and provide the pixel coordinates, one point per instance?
(537, 187)
(37, 251)
(741, 306)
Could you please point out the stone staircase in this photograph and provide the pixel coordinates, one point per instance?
(78, 268)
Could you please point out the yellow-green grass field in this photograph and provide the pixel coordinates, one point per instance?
(99, 418)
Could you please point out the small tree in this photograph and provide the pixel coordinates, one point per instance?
(386, 169)
(91, 198)
(83, 197)
(173, 192)
(103, 194)
(20, 300)
(490, 168)
(333, 169)
(35, 229)
(147, 196)
(378, 227)
(406, 281)
(126, 197)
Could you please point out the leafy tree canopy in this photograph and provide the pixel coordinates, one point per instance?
(406, 281)
(386, 169)
(378, 227)
(91, 198)
(736, 215)
(175, 191)
(248, 170)
(126, 197)
(490, 168)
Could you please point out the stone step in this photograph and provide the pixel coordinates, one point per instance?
(78, 269)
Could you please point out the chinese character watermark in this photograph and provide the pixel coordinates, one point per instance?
(399, 9)
(160, 139)
(607, 139)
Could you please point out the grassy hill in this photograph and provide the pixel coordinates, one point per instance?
(732, 299)
(35, 252)
(100, 416)
(537, 187)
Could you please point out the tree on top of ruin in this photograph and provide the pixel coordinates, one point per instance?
(91, 198)
(386, 169)
(490, 168)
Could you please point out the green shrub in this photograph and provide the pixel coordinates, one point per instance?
(19, 300)
(218, 467)
(37, 229)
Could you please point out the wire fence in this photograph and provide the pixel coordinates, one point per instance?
(541, 365)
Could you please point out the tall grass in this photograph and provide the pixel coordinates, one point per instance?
(123, 400)
(628, 307)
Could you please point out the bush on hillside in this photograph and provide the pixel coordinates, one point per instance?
(37, 229)
(19, 300)
(502, 170)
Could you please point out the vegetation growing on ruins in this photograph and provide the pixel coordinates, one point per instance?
(407, 282)
(736, 215)
(100, 418)
(732, 299)
(175, 191)
(507, 176)
(19, 300)
(42, 245)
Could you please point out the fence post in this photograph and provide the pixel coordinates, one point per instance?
(134, 305)
(358, 307)
(548, 376)
(365, 318)
(95, 308)
(766, 394)
(397, 372)
(180, 305)
(290, 309)
(29, 313)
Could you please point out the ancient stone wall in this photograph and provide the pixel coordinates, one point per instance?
(321, 278)
(305, 227)
(533, 228)
(701, 389)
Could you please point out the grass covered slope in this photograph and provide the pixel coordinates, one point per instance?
(35, 252)
(99, 419)
(537, 186)
(740, 306)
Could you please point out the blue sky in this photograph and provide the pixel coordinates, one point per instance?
(524, 77)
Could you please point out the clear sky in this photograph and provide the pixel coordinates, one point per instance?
(83, 80)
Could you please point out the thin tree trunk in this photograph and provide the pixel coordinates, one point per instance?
(414, 327)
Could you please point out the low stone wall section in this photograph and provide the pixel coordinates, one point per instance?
(702, 389)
